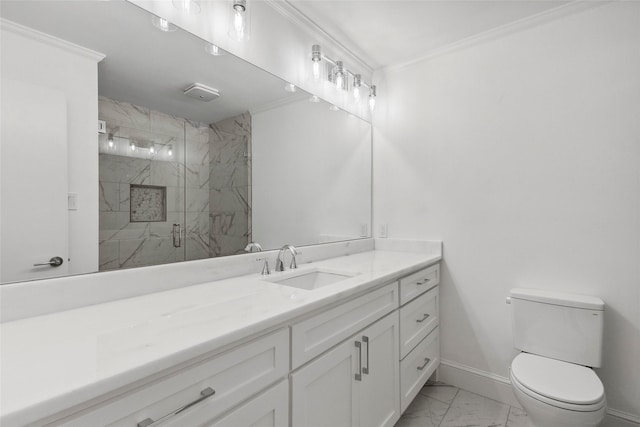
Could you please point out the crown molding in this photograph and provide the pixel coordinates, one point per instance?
(45, 38)
(501, 31)
(294, 15)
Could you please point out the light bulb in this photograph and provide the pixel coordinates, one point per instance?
(152, 149)
(238, 30)
(339, 80)
(338, 75)
(110, 141)
(316, 57)
(132, 146)
(372, 97)
(170, 151)
(357, 82)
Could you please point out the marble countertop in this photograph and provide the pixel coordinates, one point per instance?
(56, 361)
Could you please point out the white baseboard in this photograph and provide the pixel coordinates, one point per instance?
(498, 388)
(484, 383)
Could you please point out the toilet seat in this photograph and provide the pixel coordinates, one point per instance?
(561, 384)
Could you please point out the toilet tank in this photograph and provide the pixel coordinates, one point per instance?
(558, 325)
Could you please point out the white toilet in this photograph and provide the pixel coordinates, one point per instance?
(560, 336)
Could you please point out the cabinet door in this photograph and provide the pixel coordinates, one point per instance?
(325, 392)
(380, 389)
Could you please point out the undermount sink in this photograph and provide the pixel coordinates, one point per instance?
(311, 279)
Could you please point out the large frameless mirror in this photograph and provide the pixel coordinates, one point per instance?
(200, 152)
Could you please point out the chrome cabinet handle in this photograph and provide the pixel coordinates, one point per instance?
(205, 394)
(422, 282)
(366, 340)
(359, 374)
(426, 316)
(56, 261)
(426, 362)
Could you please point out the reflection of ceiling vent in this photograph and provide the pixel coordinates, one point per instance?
(201, 92)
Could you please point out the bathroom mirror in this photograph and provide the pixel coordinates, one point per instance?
(182, 179)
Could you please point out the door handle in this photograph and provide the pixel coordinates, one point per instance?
(177, 236)
(56, 261)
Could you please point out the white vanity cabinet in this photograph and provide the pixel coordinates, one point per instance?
(354, 384)
(197, 395)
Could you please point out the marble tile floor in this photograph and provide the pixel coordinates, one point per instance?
(442, 405)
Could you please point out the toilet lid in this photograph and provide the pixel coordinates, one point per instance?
(558, 380)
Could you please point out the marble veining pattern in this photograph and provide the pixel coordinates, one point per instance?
(442, 405)
(230, 185)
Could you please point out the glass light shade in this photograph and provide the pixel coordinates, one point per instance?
(239, 27)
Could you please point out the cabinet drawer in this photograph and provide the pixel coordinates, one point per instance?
(418, 283)
(317, 334)
(268, 409)
(418, 366)
(417, 319)
(234, 376)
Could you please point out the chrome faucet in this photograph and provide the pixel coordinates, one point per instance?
(280, 259)
(251, 246)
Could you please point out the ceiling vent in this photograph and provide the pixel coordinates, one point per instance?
(201, 92)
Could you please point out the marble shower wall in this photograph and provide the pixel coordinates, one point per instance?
(125, 244)
(230, 185)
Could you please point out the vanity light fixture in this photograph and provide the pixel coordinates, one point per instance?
(191, 7)
(239, 27)
(340, 76)
(290, 87)
(213, 49)
(163, 25)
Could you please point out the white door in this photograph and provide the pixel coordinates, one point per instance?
(325, 392)
(380, 391)
(33, 196)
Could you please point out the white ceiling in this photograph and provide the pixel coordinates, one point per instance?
(390, 32)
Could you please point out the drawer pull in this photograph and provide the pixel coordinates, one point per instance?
(426, 362)
(366, 340)
(205, 394)
(426, 316)
(423, 282)
(359, 374)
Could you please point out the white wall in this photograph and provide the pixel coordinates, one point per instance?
(522, 153)
(327, 191)
(42, 60)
